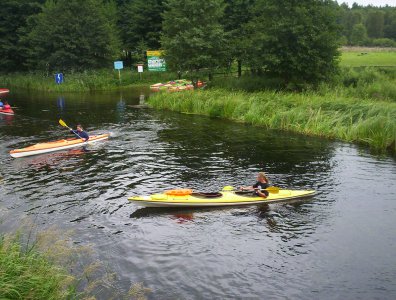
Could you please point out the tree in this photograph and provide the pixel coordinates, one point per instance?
(12, 26)
(390, 25)
(352, 18)
(296, 41)
(375, 24)
(237, 15)
(359, 35)
(73, 34)
(193, 37)
(141, 21)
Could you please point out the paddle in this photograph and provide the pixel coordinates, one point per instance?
(270, 189)
(62, 123)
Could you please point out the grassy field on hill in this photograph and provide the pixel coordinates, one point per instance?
(358, 57)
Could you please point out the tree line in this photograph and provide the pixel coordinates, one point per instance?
(368, 25)
(287, 39)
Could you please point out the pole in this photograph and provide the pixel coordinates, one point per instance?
(119, 75)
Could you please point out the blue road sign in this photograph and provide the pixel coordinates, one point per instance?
(118, 65)
(59, 78)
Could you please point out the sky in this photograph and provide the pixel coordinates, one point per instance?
(367, 2)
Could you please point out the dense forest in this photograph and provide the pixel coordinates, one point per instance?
(290, 39)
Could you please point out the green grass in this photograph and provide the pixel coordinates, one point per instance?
(27, 274)
(363, 57)
(83, 82)
(47, 266)
(327, 114)
(364, 83)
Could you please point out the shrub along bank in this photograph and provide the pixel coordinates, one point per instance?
(321, 114)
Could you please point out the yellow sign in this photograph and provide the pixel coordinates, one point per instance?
(154, 53)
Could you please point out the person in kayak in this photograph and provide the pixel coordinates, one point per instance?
(258, 188)
(6, 105)
(1, 105)
(81, 133)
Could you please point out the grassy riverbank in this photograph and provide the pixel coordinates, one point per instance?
(107, 79)
(328, 115)
(95, 80)
(28, 274)
(50, 266)
(364, 82)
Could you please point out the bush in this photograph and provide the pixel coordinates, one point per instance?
(247, 83)
(384, 42)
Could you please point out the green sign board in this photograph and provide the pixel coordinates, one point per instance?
(155, 62)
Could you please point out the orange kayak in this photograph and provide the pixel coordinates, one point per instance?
(42, 148)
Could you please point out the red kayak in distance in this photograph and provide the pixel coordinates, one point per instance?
(4, 92)
(8, 112)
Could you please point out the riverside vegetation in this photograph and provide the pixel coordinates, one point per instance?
(49, 267)
(360, 107)
(92, 80)
(95, 80)
(357, 105)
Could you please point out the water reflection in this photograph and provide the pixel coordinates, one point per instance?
(51, 160)
(61, 103)
(6, 119)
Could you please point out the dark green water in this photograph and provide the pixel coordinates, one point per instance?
(341, 244)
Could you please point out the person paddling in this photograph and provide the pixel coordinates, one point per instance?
(258, 188)
(6, 106)
(80, 132)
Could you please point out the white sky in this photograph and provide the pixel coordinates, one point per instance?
(367, 2)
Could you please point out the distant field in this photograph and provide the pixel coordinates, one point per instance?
(356, 57)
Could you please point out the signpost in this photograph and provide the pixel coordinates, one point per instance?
(119, 65)
(59, 78)
(140, 70)
(155, 62)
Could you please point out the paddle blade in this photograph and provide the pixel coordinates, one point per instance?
(228, 188)
(273, 189)
(62, 123)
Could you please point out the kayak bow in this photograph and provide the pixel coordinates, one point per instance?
(42, 148)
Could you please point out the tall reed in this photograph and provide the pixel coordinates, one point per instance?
(27, 274)
(47, 265)
(310, 113)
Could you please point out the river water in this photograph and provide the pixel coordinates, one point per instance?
(341, 244)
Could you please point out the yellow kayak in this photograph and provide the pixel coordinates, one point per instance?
(223, 198)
